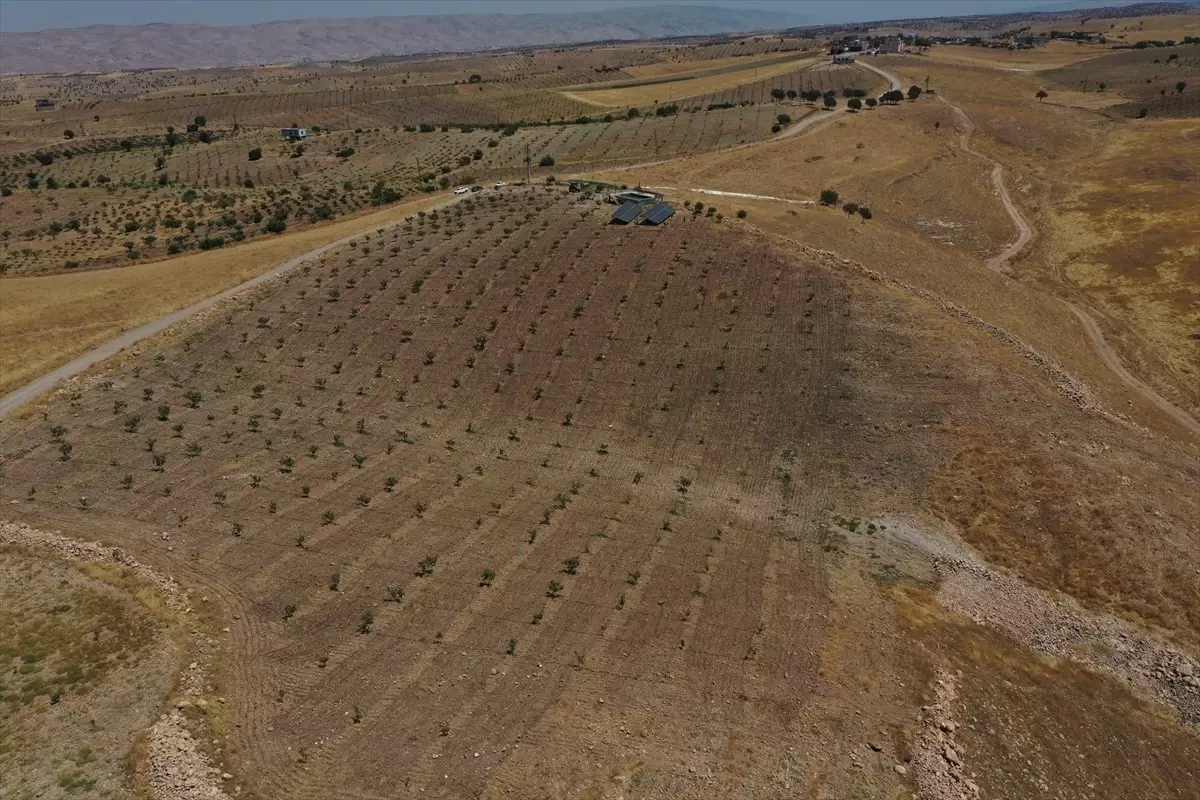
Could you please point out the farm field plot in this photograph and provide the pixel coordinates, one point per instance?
(1155, 79)
(1161, 27)
(1049, 56)
(513, 481)
(678, 66)
(531, 409)
(202, 168)
(428, 479)
(47, 320)
(677, 86)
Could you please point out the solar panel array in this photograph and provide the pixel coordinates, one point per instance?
(659, 214)
(628, 212)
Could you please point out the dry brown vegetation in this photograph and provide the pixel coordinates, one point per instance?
(46, 320)
(85, 667)
(505, 501)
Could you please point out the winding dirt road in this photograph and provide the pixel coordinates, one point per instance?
(796, 128)
(1091, 328)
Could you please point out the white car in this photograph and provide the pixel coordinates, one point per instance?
(501, 183)
(462, 190)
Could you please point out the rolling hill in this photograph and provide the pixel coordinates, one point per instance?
(109, 47)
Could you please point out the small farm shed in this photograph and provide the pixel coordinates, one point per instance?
(843, 58)
(294, 134)
(636, 196)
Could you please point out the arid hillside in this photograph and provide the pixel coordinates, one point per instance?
(542, 507)
(382, 461)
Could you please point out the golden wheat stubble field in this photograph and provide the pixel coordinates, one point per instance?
(514, 482)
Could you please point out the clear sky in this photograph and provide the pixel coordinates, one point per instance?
(32, 15)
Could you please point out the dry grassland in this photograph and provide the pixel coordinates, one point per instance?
(46, 321)
(1134, 29)
(678, 68)
(1016, 709)
(893, 160)
(1049, 152)
(676, 88)
(1125, 235)
(1053, 54)
(509, 502)
(85, 666)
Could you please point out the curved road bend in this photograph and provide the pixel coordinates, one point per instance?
(1091, 329)
(796, 128)
(39, 386)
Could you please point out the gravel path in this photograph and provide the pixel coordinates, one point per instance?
(37, 387)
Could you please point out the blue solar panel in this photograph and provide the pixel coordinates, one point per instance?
(658, 214)
(628, 212)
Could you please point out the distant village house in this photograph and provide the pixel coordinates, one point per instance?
(43, 104)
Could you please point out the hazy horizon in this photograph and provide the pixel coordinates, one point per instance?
(23, 16)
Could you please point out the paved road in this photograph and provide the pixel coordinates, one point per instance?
(1091, 328)
(39, 386)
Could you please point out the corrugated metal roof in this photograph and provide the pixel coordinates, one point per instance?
(628, 212)
(658, 214)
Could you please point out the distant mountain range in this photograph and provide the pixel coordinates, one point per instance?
(109, 47)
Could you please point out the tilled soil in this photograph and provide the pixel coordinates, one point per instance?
(514, 503)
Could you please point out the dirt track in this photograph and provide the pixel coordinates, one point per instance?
(1096, 339)
(1091, 329)
(809, 121)
(796, 128)
(35, 388)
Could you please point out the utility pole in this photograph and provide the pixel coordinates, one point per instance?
(418, 160)
(528, 163)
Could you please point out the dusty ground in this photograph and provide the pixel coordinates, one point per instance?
(507, 502)
(46, 321)
(713, 608)
(85, 666)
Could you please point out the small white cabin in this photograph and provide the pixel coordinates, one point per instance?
(843, 58)
(294, 134)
